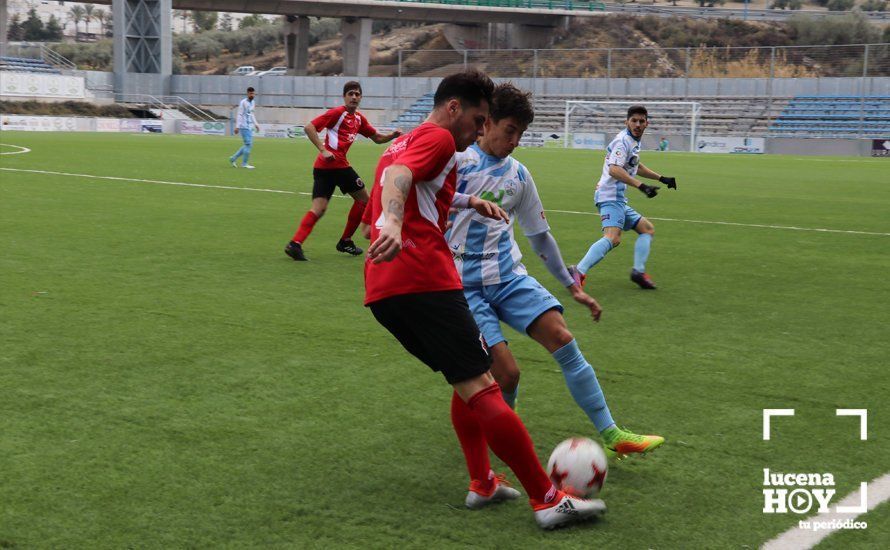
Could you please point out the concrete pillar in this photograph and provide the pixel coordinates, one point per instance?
(467, 37)
(143, 46)
(356, 46)
(4, 17)
(296, 44)
(520, 36)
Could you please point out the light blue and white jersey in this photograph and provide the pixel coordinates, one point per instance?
(623, 151)
(245, 118)
(484, 250)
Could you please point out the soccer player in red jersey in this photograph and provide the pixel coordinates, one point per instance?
(332, 170)
(414, 291)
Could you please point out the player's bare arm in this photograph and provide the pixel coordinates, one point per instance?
(313, 136)
(484, 208)
(384, 138)
(396, 184)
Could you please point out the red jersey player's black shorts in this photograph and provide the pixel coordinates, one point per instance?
(437, 328)
(325, 180)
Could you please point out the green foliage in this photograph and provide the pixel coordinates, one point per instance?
(786, 4)
(206, 46)
(204, 20)
(851, 28)
(253, 20)
(15, 31)
(95, 56)
(323, 28)
(53, 31)
(33, 26)
(840, 5)
(225, 22)
(874, 5)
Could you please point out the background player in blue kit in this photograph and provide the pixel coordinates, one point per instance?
(245, 123)
(620, 169)
(497, 285)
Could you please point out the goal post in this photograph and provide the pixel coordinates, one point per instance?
(607, 117)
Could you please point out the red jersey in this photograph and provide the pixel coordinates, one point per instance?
(342, 128)
(425, 263)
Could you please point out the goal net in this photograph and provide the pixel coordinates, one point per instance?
(592, 124)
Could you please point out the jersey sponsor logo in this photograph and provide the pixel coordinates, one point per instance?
(491, 197)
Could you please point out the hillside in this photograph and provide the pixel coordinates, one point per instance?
(656, 35)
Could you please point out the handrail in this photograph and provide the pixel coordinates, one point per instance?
(166, 102)
(54, 58)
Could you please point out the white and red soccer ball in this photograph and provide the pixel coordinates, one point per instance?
(578, 466)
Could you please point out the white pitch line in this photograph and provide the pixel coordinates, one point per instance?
(712, 222)
(281, 191)
(797, 538)
(19, 152)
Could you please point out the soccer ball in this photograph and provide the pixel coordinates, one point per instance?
(578, 466)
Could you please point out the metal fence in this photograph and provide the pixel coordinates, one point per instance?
(857, 60)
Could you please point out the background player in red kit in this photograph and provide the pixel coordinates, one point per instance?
(414, 291)
(331, 169)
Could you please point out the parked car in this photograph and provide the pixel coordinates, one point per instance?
(274, 71)
(244, 70)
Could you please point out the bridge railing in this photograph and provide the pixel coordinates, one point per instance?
(529, 4)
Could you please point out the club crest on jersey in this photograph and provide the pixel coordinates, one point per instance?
(510, 187)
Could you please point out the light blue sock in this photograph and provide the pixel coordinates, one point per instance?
(245, 155)
(237, 154)
(641, 251)
(597, 252)
(510, 398)
(583, 385)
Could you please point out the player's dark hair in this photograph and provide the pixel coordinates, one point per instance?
(509, 101)
(470, 87)
(637, 110)
(352, 85)
(250, 89)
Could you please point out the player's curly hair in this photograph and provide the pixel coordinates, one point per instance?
(510, 101)
(470, 87)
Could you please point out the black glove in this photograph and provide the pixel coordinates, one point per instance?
(648, 190)
(670, 182)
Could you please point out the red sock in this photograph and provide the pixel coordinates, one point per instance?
(508, 438)
(305, 227)
(473, 444)
(354, 218)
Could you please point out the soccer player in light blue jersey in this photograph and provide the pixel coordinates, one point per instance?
(620, 169)
(245, 122)
(497, 285)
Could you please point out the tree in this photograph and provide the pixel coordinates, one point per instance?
(206, 46)
(204, 20)
(53, 31)
(184, 15)
(225, 22)
(33, 26)
(76, 14)
(840, 5)
(874, 5)
(89, 12)
(16, 31)
(252, 20)
(99, 14)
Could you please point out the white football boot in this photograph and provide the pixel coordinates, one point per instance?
(568, 510)
(248, 166)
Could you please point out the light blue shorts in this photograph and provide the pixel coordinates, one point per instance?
(517, 302)
(618, 214)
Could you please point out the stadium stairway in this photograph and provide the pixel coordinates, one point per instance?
(26, 65)
(834, 116)
(415, 114)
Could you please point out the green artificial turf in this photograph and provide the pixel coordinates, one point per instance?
(169, 378)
